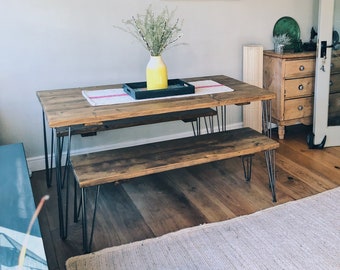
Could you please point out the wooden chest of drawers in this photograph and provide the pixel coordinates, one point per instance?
(291, 77)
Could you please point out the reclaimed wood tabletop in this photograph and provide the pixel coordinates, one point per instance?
(68, 107)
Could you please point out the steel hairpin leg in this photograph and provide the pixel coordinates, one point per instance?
(51, 162)
(247, 162)
(63, 213)
(48, 168)
(270, 160)
(218, 120)
(76, 207)
(87, 244)
(198, 126)
(67, 161)
(267, 117)
(193, 128)
(197, 130)
(222, 118)
(63, 219)
(211, 121)
(269, 154)
(211, 124)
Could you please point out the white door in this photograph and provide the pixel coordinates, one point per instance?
(326, 123)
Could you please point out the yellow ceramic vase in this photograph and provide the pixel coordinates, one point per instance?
(156, 74)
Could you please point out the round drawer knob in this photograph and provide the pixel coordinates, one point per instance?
(301, 68)
(300, 108)
(301, 87)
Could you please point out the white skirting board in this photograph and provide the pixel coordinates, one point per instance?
(253, 74)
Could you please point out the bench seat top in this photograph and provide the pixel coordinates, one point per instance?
(120, 164)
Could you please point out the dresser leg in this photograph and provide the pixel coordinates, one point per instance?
(281, 132)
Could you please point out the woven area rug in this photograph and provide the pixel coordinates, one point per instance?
(303, 234)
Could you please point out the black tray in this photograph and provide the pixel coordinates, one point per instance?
(175, 87)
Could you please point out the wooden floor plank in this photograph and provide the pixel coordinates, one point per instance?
(199, 195)
(227, 184)
(161, 207)
(323, 167)
(118, 220)
(322, 157)
(319, 177)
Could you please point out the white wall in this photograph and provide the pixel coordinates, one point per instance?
(70, 43)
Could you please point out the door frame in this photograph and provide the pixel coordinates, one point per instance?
(321, 129)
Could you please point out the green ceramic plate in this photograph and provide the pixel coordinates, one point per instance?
(287, 25)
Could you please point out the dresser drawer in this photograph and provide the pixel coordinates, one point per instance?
(299, 68)
(298, 108)
(299, 87)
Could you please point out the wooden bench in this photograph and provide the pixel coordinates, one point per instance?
(17, 209)
(95, 169)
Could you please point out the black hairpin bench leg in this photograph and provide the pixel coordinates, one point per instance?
(87, 243)
(247, 162)
(76, 206)
(270, 160)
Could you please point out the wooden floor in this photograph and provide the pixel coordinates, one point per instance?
(155, 205)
